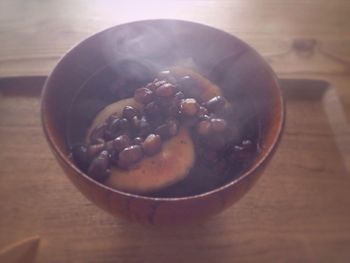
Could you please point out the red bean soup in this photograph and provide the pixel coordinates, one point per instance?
(157, 104)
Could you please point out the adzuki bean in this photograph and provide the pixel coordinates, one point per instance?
(130, 156)
(215, 104)
(152, 144)
(99, 167)
(143, 95)
(168, 102)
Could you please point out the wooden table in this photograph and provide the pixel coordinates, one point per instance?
(297, 212)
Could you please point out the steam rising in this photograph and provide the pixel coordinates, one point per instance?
(135, 53)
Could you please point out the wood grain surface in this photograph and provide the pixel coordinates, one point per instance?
(297, 212)
(34, 34)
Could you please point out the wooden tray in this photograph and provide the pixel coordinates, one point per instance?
(297, 212)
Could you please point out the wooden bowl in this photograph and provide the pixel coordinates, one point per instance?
(221, 57)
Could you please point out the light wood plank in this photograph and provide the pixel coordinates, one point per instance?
(297, 212)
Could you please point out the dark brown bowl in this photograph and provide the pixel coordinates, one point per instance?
(223, 58)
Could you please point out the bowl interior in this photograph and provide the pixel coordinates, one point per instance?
(150, 46)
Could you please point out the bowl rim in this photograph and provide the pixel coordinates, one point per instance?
(67, 161)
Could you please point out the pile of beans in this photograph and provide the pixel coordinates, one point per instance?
(167, 102)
